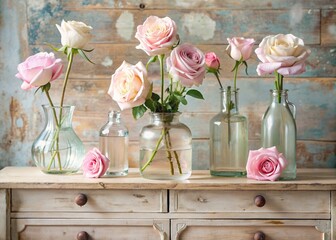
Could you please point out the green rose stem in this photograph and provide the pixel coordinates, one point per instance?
(161, 58)
(228, 107)
(175, 154)
(169, 156)
(154, 152)
(278, 84)
(65, 82)
(57, 131)
(217, 76)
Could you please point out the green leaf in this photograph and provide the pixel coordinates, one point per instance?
(138, 111)
(80, 51)
(150, 104)
(180, 98)
(155, 97)
(195, 93)
(88, 50)
(40, 87)
(151, 60)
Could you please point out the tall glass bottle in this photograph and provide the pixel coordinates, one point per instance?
(279, 129)
(113, 143)
(228, 138)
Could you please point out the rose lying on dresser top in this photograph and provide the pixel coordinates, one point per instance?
(265, 164)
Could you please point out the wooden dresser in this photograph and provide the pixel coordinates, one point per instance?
(34, 205)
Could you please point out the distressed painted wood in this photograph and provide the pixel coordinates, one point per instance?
(113, 201)
(187, 229)
(202, 206)
(176, 4)
(119, 229)
(328, 27)
(119, 26)
(26, 27)
(4, 214)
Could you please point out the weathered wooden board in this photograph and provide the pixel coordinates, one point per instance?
(197, 4)
(328, 27)
(198, 26)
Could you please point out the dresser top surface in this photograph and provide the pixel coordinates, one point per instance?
(32, 177)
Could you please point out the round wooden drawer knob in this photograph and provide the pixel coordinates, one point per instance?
(259, 236)
(81, 199)
(82, 235)
(259, 201)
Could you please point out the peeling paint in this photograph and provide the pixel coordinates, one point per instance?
(296, 14)
(107, 62)
(125, 25)
(199, 25)
(332, 30)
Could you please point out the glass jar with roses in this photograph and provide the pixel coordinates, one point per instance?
(165, 144)
(229, 129)
(282, 55)
(57, 149)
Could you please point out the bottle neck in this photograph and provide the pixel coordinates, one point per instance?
(158, 118)
(58, 116)
(279, 96)
(114, 116)
(229, 101)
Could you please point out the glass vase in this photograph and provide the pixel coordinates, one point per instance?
(165, 148)
(279, 129)
(58, 150)
(113, 143)
(228, 138)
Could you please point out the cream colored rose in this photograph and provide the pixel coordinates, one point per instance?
(285, 54)
(74, 34)
(129, 85)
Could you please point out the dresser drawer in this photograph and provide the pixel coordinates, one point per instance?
(189, 229)
(234, 204)
(116, 229)
(43, 200)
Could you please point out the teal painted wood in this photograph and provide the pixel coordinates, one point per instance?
(197, 26)
(178, 4)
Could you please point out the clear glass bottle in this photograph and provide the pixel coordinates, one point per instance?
(58, 150)
(165, 148)
(228, 138)
(113, 143)
(278, 129)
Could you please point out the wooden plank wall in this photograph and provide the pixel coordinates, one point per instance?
(26, 27)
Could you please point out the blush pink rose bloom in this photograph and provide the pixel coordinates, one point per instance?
(212, 62)
(39, 69)
(95, 164)
(285, 54)
(157, 35)
(130, 85)
(240, 49)
(186, 64)
(265, 164)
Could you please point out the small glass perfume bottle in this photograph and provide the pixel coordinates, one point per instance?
(113, 143)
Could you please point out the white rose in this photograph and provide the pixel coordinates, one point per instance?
(285, 54)
(74, 34)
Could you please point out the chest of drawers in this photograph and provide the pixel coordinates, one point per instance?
(34, 205)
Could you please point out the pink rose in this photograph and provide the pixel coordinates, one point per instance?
(285, 54)
(240, 48)
(157, 35)
(212, 62)
(129, 85)
(187, 65)
(95, 164)
(265, 164)
(39, 69)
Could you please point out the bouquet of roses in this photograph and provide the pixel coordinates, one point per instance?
(131, 87)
